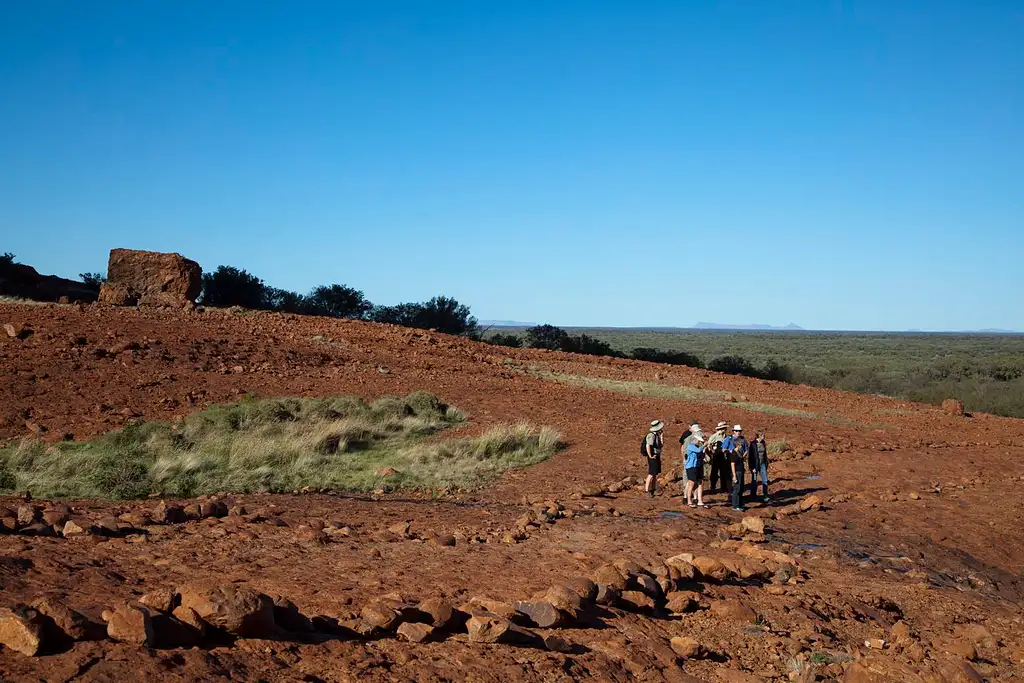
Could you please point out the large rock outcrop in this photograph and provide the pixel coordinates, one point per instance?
(149, 278)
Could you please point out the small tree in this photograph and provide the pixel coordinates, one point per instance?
(584, 343)
(546, 337)
(285, 301)
(7, 259)
(230, 286)
(441, 313)
(339, 301)
(734, 365)
(500, 339)
(445, 314)
(406, 315)
(667, 357)
(93, 280)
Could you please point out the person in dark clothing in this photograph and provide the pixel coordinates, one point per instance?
(758, 461)
(652, 448)
(736, 448)
(715, 455)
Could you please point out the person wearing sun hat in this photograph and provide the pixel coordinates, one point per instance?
(736, 449)
(715, 455)
(695, 467)
(652, 449)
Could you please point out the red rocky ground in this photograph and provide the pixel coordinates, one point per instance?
(905, 566)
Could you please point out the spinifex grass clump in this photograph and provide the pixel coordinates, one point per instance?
(278, 444)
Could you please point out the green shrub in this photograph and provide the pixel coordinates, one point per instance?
(278, 444)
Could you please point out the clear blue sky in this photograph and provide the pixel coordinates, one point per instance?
(840, 164)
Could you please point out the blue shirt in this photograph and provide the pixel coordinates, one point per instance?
(736, 447)
(694, 455)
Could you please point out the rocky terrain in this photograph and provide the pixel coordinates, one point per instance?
(891, 550)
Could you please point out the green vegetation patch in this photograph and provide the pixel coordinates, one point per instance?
(671, 392)
(279, 444)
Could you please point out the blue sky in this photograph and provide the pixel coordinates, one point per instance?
(838, 164)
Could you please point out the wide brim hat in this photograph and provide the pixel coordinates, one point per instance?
(657, 425)
(721, 425)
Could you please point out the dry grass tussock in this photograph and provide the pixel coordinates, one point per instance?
(279, 444)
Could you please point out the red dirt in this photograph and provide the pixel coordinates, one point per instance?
(921, 522)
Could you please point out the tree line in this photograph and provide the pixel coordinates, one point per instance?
(557, 339)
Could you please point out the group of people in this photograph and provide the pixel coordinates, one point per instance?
(726, 456)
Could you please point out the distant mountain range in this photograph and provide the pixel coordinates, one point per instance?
(791, 327)
(719, 326)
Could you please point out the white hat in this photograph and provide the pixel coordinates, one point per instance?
(695, 428)
(657, 425)
(721, 425)
(698, 436)
(737, 428)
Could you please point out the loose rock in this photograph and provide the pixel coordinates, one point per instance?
(687, 648)
(239, 610)
(416, 633)
(132, 624)
(21, 630)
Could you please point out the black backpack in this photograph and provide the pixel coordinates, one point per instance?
(643, 446)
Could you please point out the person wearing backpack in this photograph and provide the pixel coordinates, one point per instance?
(736, 448)
(651, 449)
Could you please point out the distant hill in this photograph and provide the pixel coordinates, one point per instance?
(719, 326)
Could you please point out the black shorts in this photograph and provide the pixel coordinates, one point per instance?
(695, 474)
(654, 466)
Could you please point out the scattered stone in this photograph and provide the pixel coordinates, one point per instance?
(628, 568)
(416, 633)
(900, 634)
(592, 492)
(811, 502)
(875, 644)
(495, 629)
(734, 610)
(710, 568)
(38, 529)
(583, 587)
(682, 602)
(57, 515)
(443, 540)
(540, 613)
(636, 600)
(556, 643)
(75, 528)
(611, 577)
(959, 671)
(160, 599)
(784, 574)
(237, 511)
(440, 611)
(607, 595)
(961, 648)
(189, 617)
(400, 529)
(687, 648)
(132, 624)
(490, 608)
(21, 630)
(29, 514)
(68, 622)
(754, 525)
(565, 598)
(237, 609)
(108, 526)
(168, 514)
(379, 616)
(915, 496)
